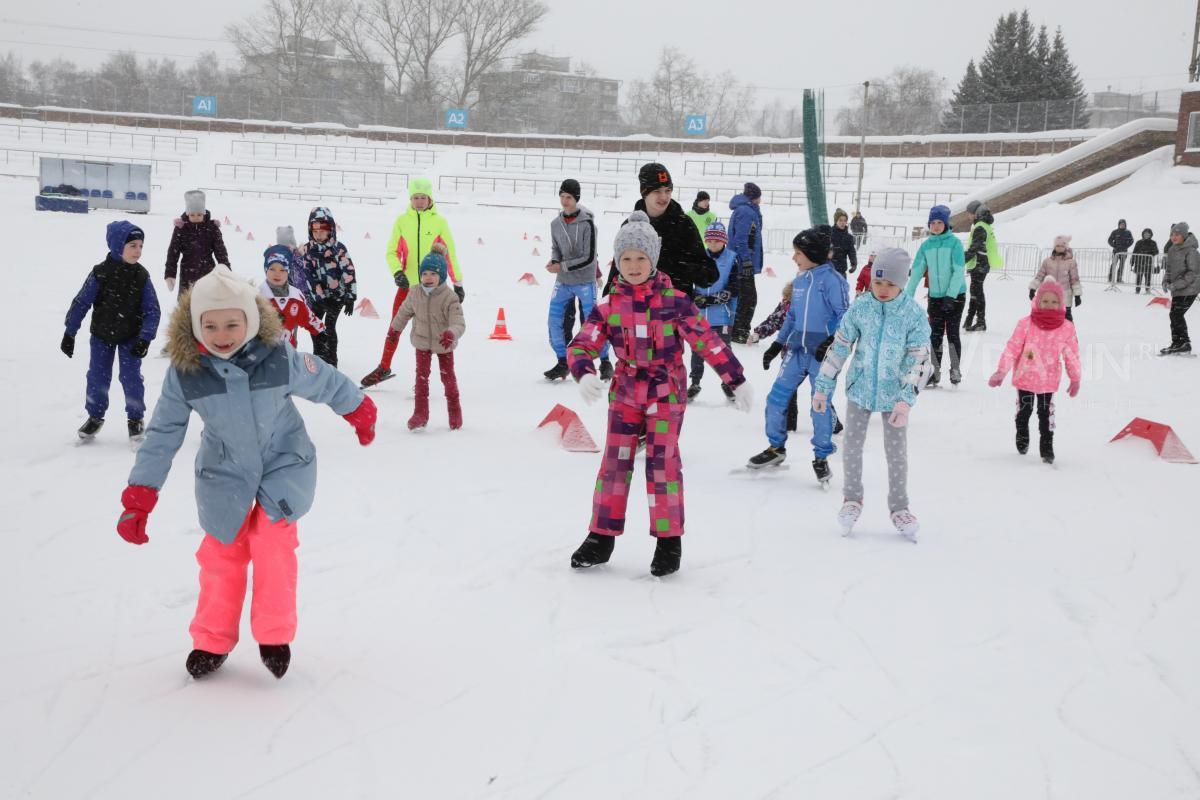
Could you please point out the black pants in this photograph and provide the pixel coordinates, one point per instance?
(945, 317)
(1142, 265)
(325, 345)
(977, 310)
(1179, 307)
(747, 302)
(726, 333)
(1026, 401)
(1116, 268)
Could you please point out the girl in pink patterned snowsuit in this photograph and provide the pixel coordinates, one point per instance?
(646, 321)
(1035, 353)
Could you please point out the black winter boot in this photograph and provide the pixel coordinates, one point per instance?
(1022, 440)
(1047, 447)
(666, 556)
(558, 372)
(202, 662)
(90, 428)
(596, 549)
(276, 657)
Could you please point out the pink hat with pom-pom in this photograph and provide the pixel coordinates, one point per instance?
(1052, 286)
(1062, 240)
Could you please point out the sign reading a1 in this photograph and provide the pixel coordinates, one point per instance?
(204, 106)
(457, 118)
(696, 125)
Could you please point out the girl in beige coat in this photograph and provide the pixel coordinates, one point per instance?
(1061, 266)
(437, 326)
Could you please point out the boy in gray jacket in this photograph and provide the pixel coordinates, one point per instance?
(1181, 279)
(574, 262)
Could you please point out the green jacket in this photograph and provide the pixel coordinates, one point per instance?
(701, 221)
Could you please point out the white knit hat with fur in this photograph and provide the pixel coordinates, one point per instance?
(222, 289)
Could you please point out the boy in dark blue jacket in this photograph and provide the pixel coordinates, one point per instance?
(820, 296)
(125, 316)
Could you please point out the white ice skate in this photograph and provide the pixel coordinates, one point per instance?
(848, 516)
(906, 524)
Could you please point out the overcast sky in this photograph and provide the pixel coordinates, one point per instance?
(771, 44)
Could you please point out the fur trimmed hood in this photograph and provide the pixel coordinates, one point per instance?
(184, 350)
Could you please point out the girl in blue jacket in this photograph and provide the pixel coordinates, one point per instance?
(890, 336)
(718, 302)
(256, 471)
(941, 255)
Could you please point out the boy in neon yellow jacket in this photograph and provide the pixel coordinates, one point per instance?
(413, 234)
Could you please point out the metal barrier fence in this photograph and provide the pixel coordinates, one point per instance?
(609, 165)
(468, 183)
(306, 197)
(956, 171)
(46, 134)
(16, 157)
(885, 200)
(311, 177)
(332, 153)
(766, 169)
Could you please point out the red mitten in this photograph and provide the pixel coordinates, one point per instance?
(363, 420)
(138, 501)
(446, 340)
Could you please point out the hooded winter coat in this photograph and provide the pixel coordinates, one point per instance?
(1120, 240)
(573, 246)
(1063, 269)
(1144, 252)
(196, 247)
(820, 297)
(682, 258)
(431, 315)
(328, 266)
(942, 257)
(841, 242)
(1182, 268)
(1036, 355)
(254, 445)
(647, 325)
(746, 232)
(891, 348)
(413, 234)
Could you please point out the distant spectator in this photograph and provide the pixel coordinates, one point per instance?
(701, 215)
(746, 241)
(1142, 260)
(858, 226)
(842, 241)
(1120, 241)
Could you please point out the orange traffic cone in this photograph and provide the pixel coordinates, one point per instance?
(250, 236)
(368, 236)
(238, 229)
(528, 279)
(367, 309)
(501, 329)
(524, 237)
(535, 252)
(227, 222)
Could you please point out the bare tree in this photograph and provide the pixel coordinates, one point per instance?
(909, 100)
(279, 44)
(427, 31)
(677, 89)
(488, 29)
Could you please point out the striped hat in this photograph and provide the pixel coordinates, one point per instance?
(716, 233)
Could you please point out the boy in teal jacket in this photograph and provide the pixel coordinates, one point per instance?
(890, 336)
(941, 256)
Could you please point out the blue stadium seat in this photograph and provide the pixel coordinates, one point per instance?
(142, 196)
(47, 190)
(130, 196)
(95, 193)
(108, 195)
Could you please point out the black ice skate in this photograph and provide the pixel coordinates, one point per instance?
(770, 457)
(1022, 441)
(1046, 446)
(558, 372)
(693, 390)
(1176, 349)
(137, 430)
(90, 428)
(596, 549)
(376, 376)
(822, 470)
(666, 556)
(276, 658)
(202, 662)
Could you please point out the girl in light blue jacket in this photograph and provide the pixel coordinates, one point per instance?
(890, 337)
(941, 258)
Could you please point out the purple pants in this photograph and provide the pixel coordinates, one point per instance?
(99, 377)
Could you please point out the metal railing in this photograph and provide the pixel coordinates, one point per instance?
(48, 134)
(766, 169)
(17, 157)
(884, 200)
(504, 161)
(314, 177)
(956, 171)
(469, 183)
(332, 153)
(306, 197)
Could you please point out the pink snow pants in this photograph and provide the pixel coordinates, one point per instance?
(664, 469)
(272, 548)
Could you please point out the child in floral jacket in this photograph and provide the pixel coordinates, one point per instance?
(1039, 346)
(331, 276)
(646, 320)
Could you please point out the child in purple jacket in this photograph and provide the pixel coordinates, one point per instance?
(646, 321)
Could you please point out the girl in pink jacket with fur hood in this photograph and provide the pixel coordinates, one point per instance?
(1040, 345)
(1061, 266)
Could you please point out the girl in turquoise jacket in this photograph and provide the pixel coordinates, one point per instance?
(941, 258)
(890, 337)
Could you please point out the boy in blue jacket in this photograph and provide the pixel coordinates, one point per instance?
(718, 302)
(890, 336)
(125, 316)
(820, 296)
(746, 242)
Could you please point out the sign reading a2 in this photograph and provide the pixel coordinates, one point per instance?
(457, 118)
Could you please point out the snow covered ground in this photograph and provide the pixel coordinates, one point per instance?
(1038, 642)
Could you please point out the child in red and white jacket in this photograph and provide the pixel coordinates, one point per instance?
(646, 320)
(278, 290)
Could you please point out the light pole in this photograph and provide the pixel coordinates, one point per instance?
(1194, 67)
(862, 149)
